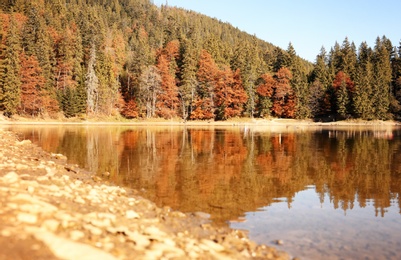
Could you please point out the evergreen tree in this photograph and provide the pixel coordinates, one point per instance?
(299, 84)
(188, 82)
(11, 82)
(246, 58)
(381, 80)
(343, 87)
(319, 86)
(348, 58)
(363, 105)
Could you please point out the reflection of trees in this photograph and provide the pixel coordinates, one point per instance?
(227, 172)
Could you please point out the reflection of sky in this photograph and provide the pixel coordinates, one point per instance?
(314, 230)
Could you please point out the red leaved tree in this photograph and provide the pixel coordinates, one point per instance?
(167, 100)
(32, 83)
(230, 95)
(265, 92)
(283, 98)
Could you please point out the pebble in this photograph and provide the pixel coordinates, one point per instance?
(27, 218)
(76, 235)
(30, 189)
(79, 200)
(93, 230)
(51, 225)
(11, 177)
(130, 214)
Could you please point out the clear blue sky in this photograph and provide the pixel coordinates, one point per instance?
(308, 24)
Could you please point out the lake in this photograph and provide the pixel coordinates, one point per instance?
(325, 193)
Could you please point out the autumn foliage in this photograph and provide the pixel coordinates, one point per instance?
(279, 93)
(82, 57)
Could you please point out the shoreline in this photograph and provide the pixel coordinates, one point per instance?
(249, 122)
(55, 210)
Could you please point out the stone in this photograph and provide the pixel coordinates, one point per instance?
(23, 142)
(11, 177)
(30, 189)
(67, 249)
(212, 245)
(79, 200)
(130, 214)
(27, 218)
(51, 225)
(76, 235)
(141, 241)
(93, 230)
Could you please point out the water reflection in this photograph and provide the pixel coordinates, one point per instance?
(228, 172)
(260, 176)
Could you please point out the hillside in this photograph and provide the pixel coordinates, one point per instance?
(96, 58)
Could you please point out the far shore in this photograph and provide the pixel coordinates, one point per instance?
(248, 122)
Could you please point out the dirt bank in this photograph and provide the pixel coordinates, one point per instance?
(52, 210)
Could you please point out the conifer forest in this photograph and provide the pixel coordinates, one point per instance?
(133, 59)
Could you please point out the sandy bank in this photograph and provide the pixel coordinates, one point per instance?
(176, 122)
(52, 210)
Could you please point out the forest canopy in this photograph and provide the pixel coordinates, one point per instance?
(79, 58)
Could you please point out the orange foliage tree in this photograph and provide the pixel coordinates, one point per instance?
(265, 90)
(168, 102)
(283, 98)
(32, 83)
(230, 95)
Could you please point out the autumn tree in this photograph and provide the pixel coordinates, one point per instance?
(265, 90)
(230, 95)
(283, 98)
(32, 83)
(168, 102)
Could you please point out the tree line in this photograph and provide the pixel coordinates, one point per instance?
(131, 58)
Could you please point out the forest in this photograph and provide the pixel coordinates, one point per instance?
(132, 59)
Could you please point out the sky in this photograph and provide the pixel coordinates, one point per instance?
(309, 24)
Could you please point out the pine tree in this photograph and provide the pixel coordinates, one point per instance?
(343, 89)
(348, 58)
(299, 84)
(11, 83)
(362, 103)
(188, 84)
(246, 58)
(319, 85)
(381, 80)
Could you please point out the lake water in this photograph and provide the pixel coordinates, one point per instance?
(327, 193)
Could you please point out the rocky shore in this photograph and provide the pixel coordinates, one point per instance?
(53, 210)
